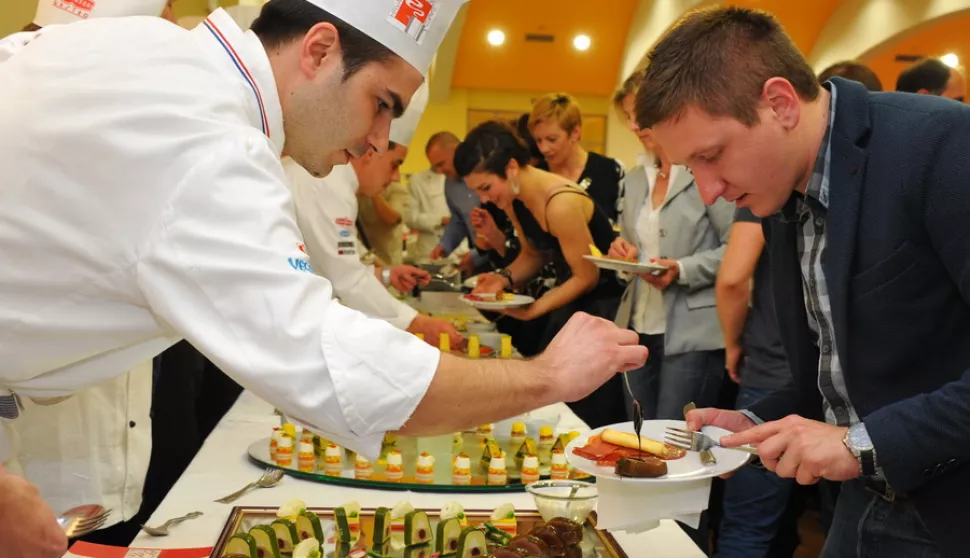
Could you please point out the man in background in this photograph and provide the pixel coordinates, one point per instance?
(931, 76)
(440, 150)
(856, 71)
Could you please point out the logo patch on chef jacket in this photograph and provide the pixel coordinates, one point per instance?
(413, 17)
(345, 233)
(300, 264)
(79, 8)
(344, 222)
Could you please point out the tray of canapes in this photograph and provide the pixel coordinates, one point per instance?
(296, 531)
(481, 461)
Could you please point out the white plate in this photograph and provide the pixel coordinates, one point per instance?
(626, 267)
(687, 468)
(491, 304)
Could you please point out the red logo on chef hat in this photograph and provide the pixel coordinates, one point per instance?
(413, 17)
(79, 8)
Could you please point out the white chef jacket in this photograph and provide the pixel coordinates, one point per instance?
(326, 211)
(425, 211)
(12, 44)
(93, 448)
(142, 200)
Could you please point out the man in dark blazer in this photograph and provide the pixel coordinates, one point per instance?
(869, 240)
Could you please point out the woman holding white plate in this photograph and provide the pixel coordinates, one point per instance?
(556, 222)
(663, 221)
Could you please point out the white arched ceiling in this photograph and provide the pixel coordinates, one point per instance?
(650, 20)
(443, 65)
(866, 27)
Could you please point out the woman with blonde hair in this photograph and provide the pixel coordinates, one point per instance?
(556, 124)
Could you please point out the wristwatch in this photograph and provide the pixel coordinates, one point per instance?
(386, 276)
(857, 440)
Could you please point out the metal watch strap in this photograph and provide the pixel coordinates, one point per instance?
(867, 459)
(386, 276)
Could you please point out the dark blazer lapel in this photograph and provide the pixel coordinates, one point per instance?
(847, 169)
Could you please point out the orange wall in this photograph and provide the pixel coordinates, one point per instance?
(936, 40)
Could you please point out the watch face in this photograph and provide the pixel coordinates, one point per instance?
(859, 438)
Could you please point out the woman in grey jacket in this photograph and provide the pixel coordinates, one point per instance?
(663, 220)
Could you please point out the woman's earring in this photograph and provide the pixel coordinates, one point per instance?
(515, 187)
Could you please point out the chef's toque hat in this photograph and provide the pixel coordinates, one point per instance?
(56, 12)
(412, 29)
(402, 129)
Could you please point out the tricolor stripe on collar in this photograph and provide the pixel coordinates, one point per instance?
(211, 26)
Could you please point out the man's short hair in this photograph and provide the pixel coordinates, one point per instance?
(281, 21)
(718, 59)
(929, 74)
(443, 138)
(854, 70)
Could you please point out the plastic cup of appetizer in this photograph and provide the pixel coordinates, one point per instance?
(563, 498)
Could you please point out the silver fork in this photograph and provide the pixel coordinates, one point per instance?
(79, 526)
(271, 477)
(707, 458)
(162, 530)
(698, 441)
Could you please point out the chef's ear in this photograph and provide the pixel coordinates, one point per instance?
(320, 50)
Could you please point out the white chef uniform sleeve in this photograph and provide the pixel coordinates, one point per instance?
(225, 270)
(337, 258)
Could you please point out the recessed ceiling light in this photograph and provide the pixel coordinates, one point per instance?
(496, 37)
(582, 42)
(951, 60)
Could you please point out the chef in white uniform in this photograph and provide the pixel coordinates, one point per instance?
(142, 201)
(326, 211)
(94, 447)
(427, 212)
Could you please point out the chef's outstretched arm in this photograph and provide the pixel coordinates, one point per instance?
(225, 271)
(466, 393)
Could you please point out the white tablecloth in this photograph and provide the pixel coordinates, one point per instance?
(222, 467)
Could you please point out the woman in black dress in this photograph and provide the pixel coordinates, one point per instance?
(556, 125)
(555, 222)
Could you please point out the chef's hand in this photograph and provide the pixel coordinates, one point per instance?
(405, 277)
(490, 283)
(623, 250)
(445, 220)
(437, 253)
(28, 527)
(806, 450)
(586, 353)
(432, 328)
(665, 279)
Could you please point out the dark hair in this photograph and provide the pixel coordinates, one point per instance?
(30, 27)
(281, 21)
(929, 74)
(629, 87)
(444, 137)
(522, 128)
(719, 60)
(856, 71)
(488, 148)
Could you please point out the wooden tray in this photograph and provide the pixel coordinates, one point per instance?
(596, 543)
